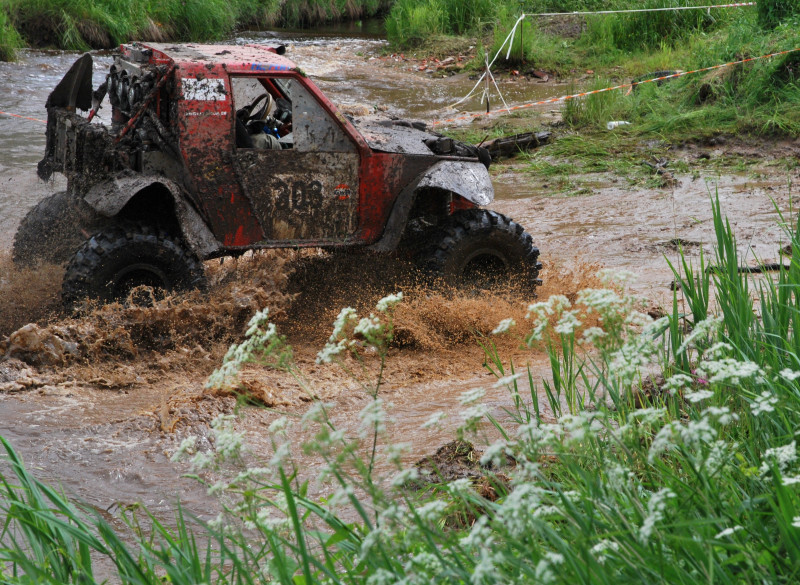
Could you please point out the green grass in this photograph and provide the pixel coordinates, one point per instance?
(102, 24)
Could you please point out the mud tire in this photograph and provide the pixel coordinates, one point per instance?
(478, 249)
(120, 257)
(53, 230)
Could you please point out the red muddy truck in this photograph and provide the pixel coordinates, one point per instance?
(216, 150)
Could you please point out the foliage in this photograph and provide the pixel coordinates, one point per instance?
(103, 24)
(772, 12)
(410, 21)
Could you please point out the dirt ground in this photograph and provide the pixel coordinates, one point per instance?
(99, 402)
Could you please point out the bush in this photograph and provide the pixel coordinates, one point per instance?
(772, 12)
(410, 21)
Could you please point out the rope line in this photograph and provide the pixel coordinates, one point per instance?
(630, 10)
(509, 40)
(623, 86)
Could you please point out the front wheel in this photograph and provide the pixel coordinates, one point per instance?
(119, 258)
(478, 248)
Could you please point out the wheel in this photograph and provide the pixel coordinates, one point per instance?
(478, 248)
(53, 229)
(121, 257)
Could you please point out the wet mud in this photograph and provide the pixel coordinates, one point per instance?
(116, 388)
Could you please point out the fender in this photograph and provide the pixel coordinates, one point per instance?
(108, 199)
(466, 179)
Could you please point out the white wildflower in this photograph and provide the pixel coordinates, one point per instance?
(389, 302)
(579, 426)
(281, 454)
(796, 522)
(648, 416)
(373, 418)
(729, 371)
(495, 454)
(480, 535)
(728, 532)
(395, 452)
(370, 328)
(279, 426)
(764, 403)
(518, 508)
(567, 324)
(780, 457)
(544, 568)
(187, 447)
(404, 476)
(471, 396)
(655, 513)
(723, 414)
(619, 477)
(708, 327)
(678, 382)
(789, 375)
(719, 454)
(507, 380)
(316, 414)
(460, 487)
(484, 571)
(717, 351)
(331, 350)
(256, 321)
(601, 550)
(431, 511)
(434, 419)
(698, 395)
(369, 541)
(382, 577)
(227, 442)
(201, 460)
(592, 334)
(548, 512)
(790, 480)
(504, 326)
(474, 413)
(614, 277)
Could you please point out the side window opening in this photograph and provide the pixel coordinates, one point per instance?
(263, 113)
(279, 113)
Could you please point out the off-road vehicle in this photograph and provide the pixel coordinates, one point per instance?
(216, 150)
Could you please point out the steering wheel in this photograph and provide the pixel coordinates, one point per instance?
(253, 112)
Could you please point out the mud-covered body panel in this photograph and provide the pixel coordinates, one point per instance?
(175, 127)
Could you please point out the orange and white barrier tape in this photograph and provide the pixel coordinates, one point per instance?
(22, 117)
(630, 10)
(595, 91)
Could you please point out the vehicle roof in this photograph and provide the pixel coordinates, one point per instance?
(236, 58)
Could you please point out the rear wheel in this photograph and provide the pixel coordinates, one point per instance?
(53, 229)
(121, 257)
(478, 248)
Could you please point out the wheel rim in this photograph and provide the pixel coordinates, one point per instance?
(485, 267)
(136, 275)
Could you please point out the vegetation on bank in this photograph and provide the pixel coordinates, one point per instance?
(103, 24)
(655, 451)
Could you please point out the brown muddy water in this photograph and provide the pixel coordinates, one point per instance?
(104, 424)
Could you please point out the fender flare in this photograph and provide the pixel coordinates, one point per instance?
(110, 197)
(466, 179)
